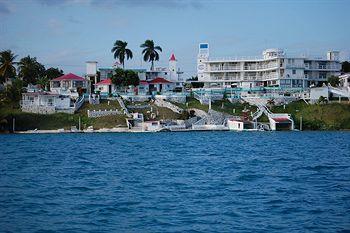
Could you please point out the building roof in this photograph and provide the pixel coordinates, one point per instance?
(281, 119)
(143, 82)
(69, 76)
(41, 93)
(172, 57)
(107, 81)
(159, 80)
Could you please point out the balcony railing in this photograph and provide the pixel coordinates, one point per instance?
(244, 78)
(245, 68)
(323, 67)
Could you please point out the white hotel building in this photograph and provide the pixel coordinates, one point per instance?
(273, 69)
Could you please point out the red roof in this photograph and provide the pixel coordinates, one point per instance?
(143, 82)
(69, 76)
(281, 119)
(159, 80)
(107, 81)
(172, 57)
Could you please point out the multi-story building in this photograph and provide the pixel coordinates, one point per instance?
(273, 69)
(171, 73)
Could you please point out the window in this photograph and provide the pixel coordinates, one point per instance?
(294, 71)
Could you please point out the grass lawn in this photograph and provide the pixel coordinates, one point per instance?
(224, 106)
(30, 121)
(161, 113)
(331, 116)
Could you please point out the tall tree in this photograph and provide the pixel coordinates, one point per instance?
(125, 78)
(30, 70)
(345, 67)
(120, 51)
(7, 68)
(150, 52)
(52, 73)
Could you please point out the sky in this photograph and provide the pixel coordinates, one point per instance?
(67, 33)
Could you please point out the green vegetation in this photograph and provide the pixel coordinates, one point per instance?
(120, 51)
(7, 68)
(331, 116)
(125, 78)
(30, 121)
(345, 67)
(150, 52)
(224, 106)
(30, 70)
(194, 84)
(333, 80)
(154, 112)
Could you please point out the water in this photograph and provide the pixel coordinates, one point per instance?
(176, 182)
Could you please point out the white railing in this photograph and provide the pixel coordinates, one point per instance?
(165, 104)
(122, 105)
(323, 67)
(100, 113)
(245, 68)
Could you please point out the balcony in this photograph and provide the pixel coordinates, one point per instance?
(245, 68)
(323, 67)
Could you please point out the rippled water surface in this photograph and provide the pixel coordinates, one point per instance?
(175, 182)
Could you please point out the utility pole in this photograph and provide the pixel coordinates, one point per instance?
(13, 124)
(79, 124)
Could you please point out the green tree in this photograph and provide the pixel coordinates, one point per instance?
(345, 67)
(7, 68)
(30, 70)
(43, 82)
(118, 77)
(52, 73)
(125, 78)
(333, 80)
(150, 52)
(194, 82)
(132, 78)
(13, 92)
(120, 51)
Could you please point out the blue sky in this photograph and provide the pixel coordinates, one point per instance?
(66, 33)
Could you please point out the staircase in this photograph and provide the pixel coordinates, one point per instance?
(79, 103)
(122, 105)
(166, 104)
(341, 92)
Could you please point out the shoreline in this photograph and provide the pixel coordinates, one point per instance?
(125, 130)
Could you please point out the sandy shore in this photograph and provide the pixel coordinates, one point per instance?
(108, 130)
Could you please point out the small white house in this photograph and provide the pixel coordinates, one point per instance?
(151, 126)
(161, 85)
(240, 125)
(281, 121)
(143, 88)
(69, 84)
(105, 86)
(46, 103)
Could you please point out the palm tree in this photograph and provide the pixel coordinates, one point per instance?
(30, 70)
(120, 51)
(150, 53)
(7, 69)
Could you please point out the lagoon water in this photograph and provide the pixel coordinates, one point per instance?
(175, 182)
